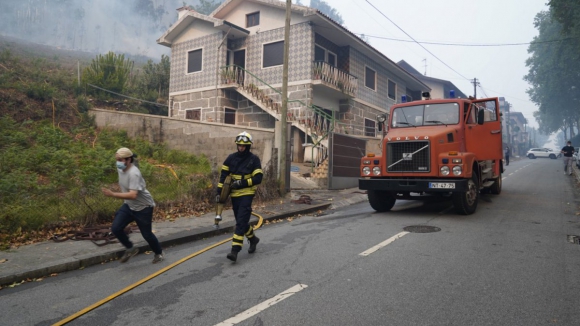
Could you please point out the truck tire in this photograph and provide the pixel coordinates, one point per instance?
(466, 202)
(496, 186)
(381, 201)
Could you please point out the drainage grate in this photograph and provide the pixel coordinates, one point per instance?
(421, 229)
(574, 239)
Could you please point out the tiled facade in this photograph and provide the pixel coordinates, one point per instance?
(179, 79)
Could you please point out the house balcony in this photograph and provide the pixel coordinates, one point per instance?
(334, 78)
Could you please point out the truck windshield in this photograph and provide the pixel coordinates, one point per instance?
(425, 115)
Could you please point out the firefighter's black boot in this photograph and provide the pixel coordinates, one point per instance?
(253, 243)
(233, 256)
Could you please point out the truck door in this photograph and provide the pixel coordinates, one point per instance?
(484, 140)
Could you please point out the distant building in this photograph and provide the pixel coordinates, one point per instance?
(440, 88)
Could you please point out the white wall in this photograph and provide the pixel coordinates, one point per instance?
(270, 17)
(195, 30)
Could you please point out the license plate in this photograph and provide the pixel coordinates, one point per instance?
(441, 185)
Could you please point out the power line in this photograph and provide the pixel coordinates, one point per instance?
(416, 40)
(133, 98)
(470, 45)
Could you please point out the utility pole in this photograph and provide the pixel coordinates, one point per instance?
(283, 116)
(509, 122)
(475, 84)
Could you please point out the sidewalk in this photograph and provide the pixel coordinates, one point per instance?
(46, 258)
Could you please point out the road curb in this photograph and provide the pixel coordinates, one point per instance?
(70, 264)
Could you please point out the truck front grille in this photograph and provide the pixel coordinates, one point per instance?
(408, 156)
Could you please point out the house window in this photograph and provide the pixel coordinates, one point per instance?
(230, 116)
(319, 54)
(193, 61)
(193, 114)
(392, 90)
(331, 59)
(370, 128)
(370, 78)
(253, 19)
(273, 54)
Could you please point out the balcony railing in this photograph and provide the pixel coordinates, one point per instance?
(340, 79)
(319, 122)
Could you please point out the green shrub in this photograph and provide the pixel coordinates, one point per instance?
(40, 91)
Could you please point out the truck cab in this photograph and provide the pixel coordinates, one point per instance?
(436, 146)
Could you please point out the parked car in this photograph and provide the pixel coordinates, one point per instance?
(541, 152)
(575, 157)
(557, 152)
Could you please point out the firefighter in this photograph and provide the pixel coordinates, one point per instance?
(246, 173)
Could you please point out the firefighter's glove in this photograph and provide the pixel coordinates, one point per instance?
(237, 184)
(217, 198)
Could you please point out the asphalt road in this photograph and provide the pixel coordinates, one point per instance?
(510, 263)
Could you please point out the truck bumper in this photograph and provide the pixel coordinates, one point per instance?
(413, 185)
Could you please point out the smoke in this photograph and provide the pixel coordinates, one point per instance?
(128, 26)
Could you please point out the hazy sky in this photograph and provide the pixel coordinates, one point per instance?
(499, 69)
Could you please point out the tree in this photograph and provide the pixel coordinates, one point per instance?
(553, 75)
(206, 7)
(326, 9)
(154, 85)
(567, 13)
(110, 71)
(147, 9)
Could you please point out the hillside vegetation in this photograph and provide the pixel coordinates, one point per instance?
(53, 161)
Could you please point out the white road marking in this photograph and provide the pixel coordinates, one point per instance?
(510, 174)
(262, 306)
(382, 244)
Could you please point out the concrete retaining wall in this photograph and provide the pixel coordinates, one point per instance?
(214, 140)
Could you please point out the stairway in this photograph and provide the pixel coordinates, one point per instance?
(320, 174)
(311, 121)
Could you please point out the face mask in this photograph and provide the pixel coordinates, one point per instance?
(121, 165)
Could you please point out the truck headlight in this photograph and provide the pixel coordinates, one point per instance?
(457, 170)
(376, 170)
(444, 170)
(366, 170)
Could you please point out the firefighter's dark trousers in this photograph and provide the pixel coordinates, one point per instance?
(242, 207)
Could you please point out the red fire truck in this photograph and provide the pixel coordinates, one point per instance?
(450, 147)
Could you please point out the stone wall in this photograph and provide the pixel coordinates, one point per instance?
(247, 113)
(214, 140)
(352, 117)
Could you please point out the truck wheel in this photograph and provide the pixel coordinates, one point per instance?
(466, 202)
(381, 201)
(496, 186)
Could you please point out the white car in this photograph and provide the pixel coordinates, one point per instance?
(541, 152)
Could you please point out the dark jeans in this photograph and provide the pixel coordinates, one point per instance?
(144, 220)
(507, 160)
(242, 207)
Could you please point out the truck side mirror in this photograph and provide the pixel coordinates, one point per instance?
(480, 116)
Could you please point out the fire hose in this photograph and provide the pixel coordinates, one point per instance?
(219, 209)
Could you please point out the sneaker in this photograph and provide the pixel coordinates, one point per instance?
(253, 242)
(128, 254)
(157, 258)
(233, 256)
